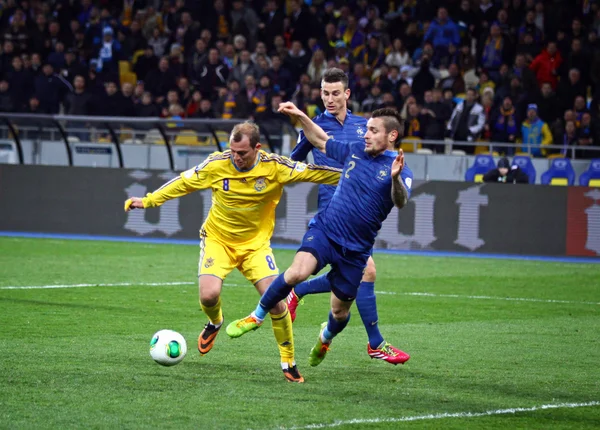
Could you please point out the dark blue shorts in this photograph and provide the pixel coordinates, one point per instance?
(347, 266)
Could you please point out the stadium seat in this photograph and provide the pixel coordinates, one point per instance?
(424, 151)
(73, 139)
(526, 165)
(483, 163)
(410, 143)
(132, 142)
(187, 137)
(560, 173)
(136, 55)
(154, 136)
(591, 177)
(124, 67)
(128, 77)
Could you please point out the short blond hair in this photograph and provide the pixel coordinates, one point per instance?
(247, 128)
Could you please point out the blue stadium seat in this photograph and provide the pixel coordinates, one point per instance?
(526, 165)
(560, 173)
(483, 163)
(591, 177)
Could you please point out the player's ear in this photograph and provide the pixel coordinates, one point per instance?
(257, 147)
(347, 93)
(393, 136)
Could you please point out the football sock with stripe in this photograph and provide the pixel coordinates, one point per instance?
(317, 285)
(277, 291)
(367, 308)
(333, 328)
(214, 313)
(282, 329)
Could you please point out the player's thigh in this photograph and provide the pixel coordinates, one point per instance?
(370, 273)
(216, 259)
(258, 264)
(314, 253)
(346, 275)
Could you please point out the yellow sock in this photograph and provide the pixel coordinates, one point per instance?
(214, 313)
(282, 328)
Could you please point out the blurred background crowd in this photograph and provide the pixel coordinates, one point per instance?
(469, 70)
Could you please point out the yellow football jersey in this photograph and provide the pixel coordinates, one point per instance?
(243, 203)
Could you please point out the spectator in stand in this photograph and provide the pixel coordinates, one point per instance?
(373, 101)
(108, 52)
(485, 82)
(588, 135)
(233, 103)
(535, 133)
(213, 75)
(206, 110)
(487, 101)
(567, 140)
(530, 27)
(193, 105)
(147, 108)
(370, 55)
(317, 66)
(145, 63)
(161, 80)
(280, 77)
(467, 121)
(399, 56)
(442, 33)
(424, 79)
(494, 51)
(504, 126)
(157, 43)
(21, 84)
(454, 81)
(297, 60)
(302, 24)
(6, 99)
(577, 59)
(245, 67)
(351, 34)
(546, 65)
(413, 128)
(436, 115)
(79, 101)
(570, 88)
(49, 89)
(548, 104)
(271, 23)
(506, 174)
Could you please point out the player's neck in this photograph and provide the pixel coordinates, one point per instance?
(341, 116)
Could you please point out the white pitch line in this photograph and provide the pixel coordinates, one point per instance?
(512, 299)
(358, 421)
(166, 284)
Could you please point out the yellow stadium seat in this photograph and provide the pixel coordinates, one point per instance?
(187, 137)
(594, 183)
(128, 77)
(124, 67)
(482, 149)
(409, 143)
(559, 181)
(551, 156)
(478, 177)
(136, 55)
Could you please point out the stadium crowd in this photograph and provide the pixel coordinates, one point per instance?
(528, 71)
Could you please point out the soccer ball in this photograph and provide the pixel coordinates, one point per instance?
(167, 347)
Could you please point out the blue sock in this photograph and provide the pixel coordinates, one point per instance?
(367, 308)
(334, 327)
(277, 291)
(317, 285)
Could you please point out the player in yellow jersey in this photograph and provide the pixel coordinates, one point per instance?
(246, 184)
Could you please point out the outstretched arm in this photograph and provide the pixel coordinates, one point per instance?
(399, 191)
(312, 131)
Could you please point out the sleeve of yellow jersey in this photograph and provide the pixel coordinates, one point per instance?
(196, 178)
(292, 171)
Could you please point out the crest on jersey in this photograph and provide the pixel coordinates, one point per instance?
(383, 174)
(360, 131)
(260, 184)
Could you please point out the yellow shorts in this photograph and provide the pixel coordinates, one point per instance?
(219, 259)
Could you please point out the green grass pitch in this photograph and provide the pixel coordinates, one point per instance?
(78, 357)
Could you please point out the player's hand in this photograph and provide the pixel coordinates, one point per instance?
(133, 203)
(398, 164)
(289, 108)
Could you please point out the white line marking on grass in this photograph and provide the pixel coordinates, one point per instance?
(512, 299)
(120, 284)
(358, 421)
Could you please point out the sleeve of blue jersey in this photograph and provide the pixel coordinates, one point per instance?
(302, 148)
(337, 150)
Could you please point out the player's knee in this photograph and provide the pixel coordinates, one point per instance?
(370, 272)
(296, 274)
(208, 300)
(340, 314)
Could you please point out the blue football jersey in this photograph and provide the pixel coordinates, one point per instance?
(352, 131)
(363, 197)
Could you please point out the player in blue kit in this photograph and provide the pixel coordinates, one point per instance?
(345, 128)
(374, 180)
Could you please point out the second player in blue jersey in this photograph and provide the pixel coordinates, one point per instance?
(348, 129)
